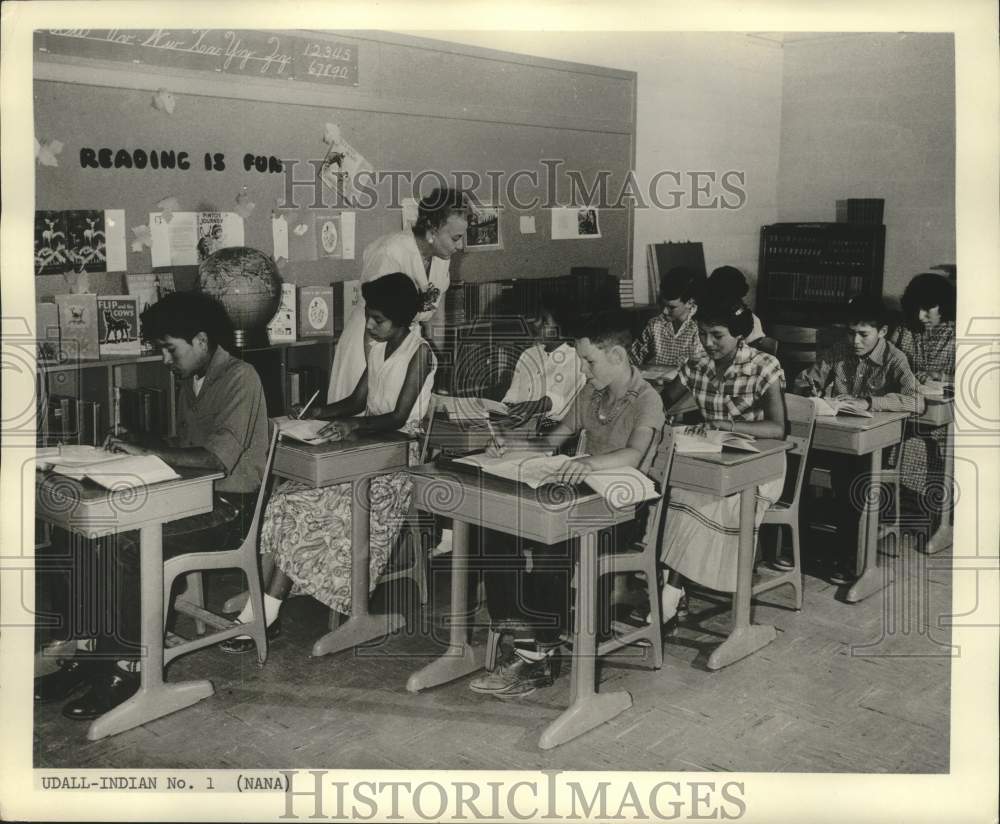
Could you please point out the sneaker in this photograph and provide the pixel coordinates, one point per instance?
(839, 578)
(244, 643)
(514, 676)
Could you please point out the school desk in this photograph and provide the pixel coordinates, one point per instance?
(92, 511)
(940, 412)
(722, 474)
(849, 435)
(355, 462)
(547, 515)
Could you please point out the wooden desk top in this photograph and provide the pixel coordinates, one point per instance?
(729, 471)
(548, 515)
(342, 461)
(858, 436)
(92, 510)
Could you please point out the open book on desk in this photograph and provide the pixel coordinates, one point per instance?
(620, 487)
(118, 471)
(658, 373)
(826, 407)
(713, 440)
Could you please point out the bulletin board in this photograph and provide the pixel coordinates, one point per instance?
(409, 105)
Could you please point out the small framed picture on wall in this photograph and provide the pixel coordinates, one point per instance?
(483, 233)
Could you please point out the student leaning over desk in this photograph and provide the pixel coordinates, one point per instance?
(737, 389)
(866, 372)
(308, 530)
(619, 413)
(222, 426)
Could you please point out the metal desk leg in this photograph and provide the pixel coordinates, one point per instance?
(587, 709)
(361, 626)
(944, 534)
(871, 580)
(154, 698)
(461, 658)
(745, 638)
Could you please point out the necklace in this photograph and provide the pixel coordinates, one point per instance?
(605, 415)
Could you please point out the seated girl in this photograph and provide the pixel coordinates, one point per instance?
(308, 530)
(928, 340)
(547, 376)
(737, 389)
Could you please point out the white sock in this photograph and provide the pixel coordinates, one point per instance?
(86, 644)
(670, 597)
(272, 606)
(128, 665)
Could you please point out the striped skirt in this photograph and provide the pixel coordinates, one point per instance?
(701, 539)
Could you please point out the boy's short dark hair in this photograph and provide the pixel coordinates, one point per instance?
(184, 315)
(680, 283)
(867, 309)
(721, 310)
(606, 329)
(728, 281)
(394, 295)
(927, 290)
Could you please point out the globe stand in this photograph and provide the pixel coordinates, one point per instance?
(250, 338)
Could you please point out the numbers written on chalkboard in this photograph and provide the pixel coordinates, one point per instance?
(318, 68)
(326, 51)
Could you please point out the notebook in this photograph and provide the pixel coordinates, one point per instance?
(687, 442)
(825, 407)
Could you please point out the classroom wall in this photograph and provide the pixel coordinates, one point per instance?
(873, 115)
(705, 102)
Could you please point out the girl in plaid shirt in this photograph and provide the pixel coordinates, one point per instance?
(928, 341)
(738, 389)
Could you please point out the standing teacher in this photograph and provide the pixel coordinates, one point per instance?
(423, 254)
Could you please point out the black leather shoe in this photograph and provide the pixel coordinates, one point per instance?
(239, 646)
(73, 673)
(112, 687)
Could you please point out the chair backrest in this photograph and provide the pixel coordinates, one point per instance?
(800, 417)
(766, 344)
(262, 494)
(659, 472)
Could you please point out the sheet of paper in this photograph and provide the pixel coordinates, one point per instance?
(347, 225)
(114, 240)
(133, 471)
(279, 236)
(527, 224)
(574, 224)
(175, 242)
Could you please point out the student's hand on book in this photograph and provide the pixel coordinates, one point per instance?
(340, 429)
(574, 472)
(696, 429)
(520, 412)
(852, 402)
(496, 447)
(119, 445)
(295, 411)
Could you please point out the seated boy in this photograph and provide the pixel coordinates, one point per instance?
(671, 338)
(547, 376)
(620, 413)
(221, 426)
(866, 372)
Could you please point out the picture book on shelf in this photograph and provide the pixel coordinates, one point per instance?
(281, 328)
(827, 407)
(687, 440)
(118, 325)
(78, 328)
(315, 311)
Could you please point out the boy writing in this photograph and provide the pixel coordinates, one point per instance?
(221, 426)
(866, 372)
(620, 414)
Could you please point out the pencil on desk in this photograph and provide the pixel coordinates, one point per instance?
(493, 437)
(308, 404)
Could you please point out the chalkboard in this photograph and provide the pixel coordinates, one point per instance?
(257, 54)
(421, 108)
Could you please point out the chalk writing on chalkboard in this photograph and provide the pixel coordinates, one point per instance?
(261, 54)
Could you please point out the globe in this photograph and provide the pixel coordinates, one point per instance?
(246, 282)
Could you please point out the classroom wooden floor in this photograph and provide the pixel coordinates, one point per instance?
(844, 688)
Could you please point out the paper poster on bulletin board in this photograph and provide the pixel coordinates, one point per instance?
(187, 238)
(79, 240)
(575, 224)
